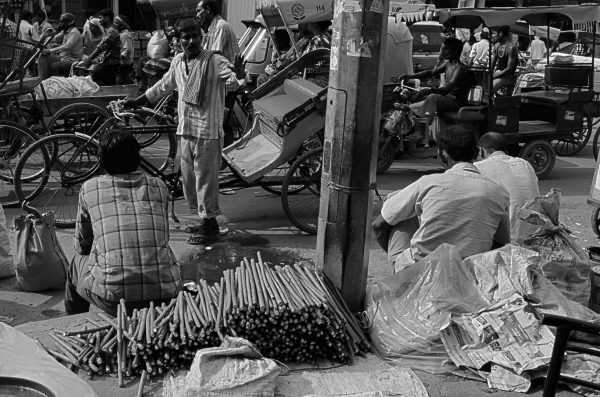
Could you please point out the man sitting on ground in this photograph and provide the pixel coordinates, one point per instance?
(515, 174)
(453, 94)
(121, 235)
(459, 207)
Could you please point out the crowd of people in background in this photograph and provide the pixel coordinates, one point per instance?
(104, 48)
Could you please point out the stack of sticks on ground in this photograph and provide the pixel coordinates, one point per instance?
(290, 313)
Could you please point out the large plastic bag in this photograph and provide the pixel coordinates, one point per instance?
(408, 309)
(236, 368)
(68, 87)
(41, 263)
(7, 268)
(22, 357)
(567, 264)
(158, 45)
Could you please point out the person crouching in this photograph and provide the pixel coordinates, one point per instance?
(121, 235)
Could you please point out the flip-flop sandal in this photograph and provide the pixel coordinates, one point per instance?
(199, 239)
(195, 239)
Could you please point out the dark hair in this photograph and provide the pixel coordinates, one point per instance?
(505, 30)
(485, 35)
(493, 141)
(107, 12)
(119, 152)
(454, 45)
(89, 12)
(212, 6)
(188, 25)
(282, 38)
(41, 14)
(26, 15)
(458, 143)
(323, 25)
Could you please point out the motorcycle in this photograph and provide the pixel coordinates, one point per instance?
(399, 126)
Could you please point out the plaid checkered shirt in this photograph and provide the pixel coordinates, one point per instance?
(123, 225)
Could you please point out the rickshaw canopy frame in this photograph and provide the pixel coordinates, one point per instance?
(470, 18)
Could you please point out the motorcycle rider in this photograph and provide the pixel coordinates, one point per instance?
(450, 96)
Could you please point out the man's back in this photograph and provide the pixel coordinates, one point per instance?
(519, 179)
(126, 216)
(459, 207)
(538, 49)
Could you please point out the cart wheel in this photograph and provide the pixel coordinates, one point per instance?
(313, 142)
(595, 221)
(78, 117)
(540, 155)
(595, 144)
(302, 208)
(576, 142)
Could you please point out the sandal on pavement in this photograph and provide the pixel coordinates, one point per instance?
(200, 238)
(197, 239)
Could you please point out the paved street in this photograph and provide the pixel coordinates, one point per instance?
(257, 222)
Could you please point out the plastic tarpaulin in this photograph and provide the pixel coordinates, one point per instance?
(498, 16)
(169, 9)
(22, 357)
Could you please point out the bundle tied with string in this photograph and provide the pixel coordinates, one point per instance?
(565, 262)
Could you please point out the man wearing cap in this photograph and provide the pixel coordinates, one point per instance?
(105, 72)
(126, 70)
(58, 60)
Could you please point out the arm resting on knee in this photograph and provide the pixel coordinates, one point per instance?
(382, 231)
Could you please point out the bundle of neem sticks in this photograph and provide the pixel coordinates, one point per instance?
(291, 313)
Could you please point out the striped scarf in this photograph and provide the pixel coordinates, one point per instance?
(197, 78)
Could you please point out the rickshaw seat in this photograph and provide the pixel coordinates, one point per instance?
(545, 97)
(20, 87)
(473, 112)
(283, 119)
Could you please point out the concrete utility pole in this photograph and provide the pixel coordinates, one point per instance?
(351, 134)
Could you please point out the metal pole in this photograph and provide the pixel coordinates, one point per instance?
(350, 150)
(558, 352)
(593, 56)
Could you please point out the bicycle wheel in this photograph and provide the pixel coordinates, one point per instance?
(576, 142)
(62, 164)
(14, 139)
(159, 148)
(302, 208)
(78, 117)
(314, 142)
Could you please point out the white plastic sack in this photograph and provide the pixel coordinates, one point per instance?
(158, 46)
(22, 357)
(409, 308)
(236, 368)
(68, 87)
(7, 268)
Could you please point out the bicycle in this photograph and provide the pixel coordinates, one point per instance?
(51, 171)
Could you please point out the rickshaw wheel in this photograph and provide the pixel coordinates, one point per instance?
(540, 155)
(302, 208)
(80, 117)
(595, 147)
(576, 142)
(313, 142)
(595, 221)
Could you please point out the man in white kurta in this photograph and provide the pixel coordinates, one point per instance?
(200, 121)
(515, 174)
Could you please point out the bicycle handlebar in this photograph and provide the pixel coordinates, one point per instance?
(116, 107)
